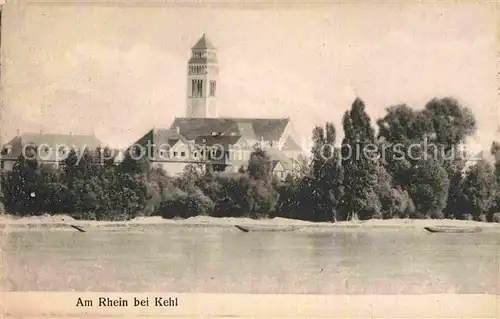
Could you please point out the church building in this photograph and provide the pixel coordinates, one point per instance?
(205, 139)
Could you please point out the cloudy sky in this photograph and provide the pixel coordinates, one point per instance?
(119, 70)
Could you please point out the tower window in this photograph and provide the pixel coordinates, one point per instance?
(196, 88)
(200, 87)
(212, 88)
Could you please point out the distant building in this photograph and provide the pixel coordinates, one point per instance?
(51, 149)
(167, 149)
(223, 144)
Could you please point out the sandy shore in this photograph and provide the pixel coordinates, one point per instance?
(62, 221)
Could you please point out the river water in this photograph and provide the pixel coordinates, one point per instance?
(171, 258)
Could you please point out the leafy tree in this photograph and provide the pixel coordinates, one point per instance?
(23, 184)
(455, 169)
(360, 168)
(428, 188)
(259, 166)
(479, 189)
(189, 178)
(451, 122)
(135, 161)
(231, 199)
(403, 125)
(262, 198)
(286, 206)
(309, 201)
(327, 173)
(185, 205)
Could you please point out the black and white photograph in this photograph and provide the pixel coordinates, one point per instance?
(153, 152)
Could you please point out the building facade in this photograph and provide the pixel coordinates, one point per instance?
(49, 149)
(204, 139)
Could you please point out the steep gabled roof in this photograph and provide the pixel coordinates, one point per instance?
(277, 156)
(249, 128)
(224, 140)
(203, 43)
(163, 138)
(291, 145)
(78, 141)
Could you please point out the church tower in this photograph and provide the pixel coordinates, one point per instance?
(202, 80)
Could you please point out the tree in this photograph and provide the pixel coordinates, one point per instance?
(135, 161)
(479, 189)
(262, 199)
(495, 151)
(23, 183)
(403, 125)
(189, 179)
(327, 173)
(261, 195)
(399, 129)
(454, 167)
(360, 168)
(259, 166)
(451, 122)
(428, 188)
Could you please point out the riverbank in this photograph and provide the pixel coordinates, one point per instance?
(62, 221)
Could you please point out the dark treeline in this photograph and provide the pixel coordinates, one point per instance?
(341, 183)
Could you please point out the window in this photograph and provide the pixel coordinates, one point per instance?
(183, 154)
(200, 87)
(196, 88)
(212, 88)
(175, 153)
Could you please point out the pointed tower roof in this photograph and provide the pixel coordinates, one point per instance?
(204, 43)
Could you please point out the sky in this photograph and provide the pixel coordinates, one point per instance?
(119, 70)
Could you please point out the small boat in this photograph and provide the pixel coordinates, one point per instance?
(269, 228)
(452, 229)
(243, 229)
(78, 228)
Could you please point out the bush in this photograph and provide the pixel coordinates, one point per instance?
(229, 193)
(496, 218)
(263, 199)
(185, 205)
